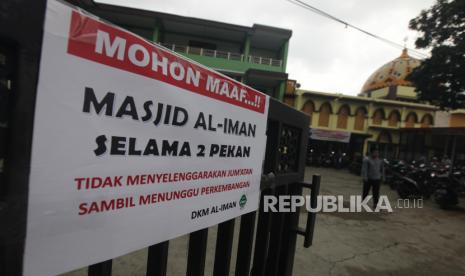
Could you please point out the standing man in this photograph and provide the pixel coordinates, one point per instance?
(372, 174)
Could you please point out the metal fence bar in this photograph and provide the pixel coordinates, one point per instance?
(262, 239)
(7, 70)
(157, 259)
(25, 37)
(276, 236)
(197, 253)
(311, 218)
(100, 269)
(291, 222)
(224, 242)
(223, 54)
(244, 248)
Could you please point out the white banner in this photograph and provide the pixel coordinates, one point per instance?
(133, 145)
(330, 135)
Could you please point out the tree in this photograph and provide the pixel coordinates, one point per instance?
(440, 79)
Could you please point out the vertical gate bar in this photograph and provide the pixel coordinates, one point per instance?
(26, 38)
(2, 258)
(197, 253)
(224, 241)
(311, 218)
(291, 223)
(157, 259)
(100, 269)
(261, 238)
(276, 234)
(7, 72)
(244, 248)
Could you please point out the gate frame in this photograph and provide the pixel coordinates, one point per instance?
(24, 37)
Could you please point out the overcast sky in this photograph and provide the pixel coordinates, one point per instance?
(323, 55)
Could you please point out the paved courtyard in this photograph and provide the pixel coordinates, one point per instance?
(426, 241)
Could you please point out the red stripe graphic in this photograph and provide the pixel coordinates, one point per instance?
(100, 42)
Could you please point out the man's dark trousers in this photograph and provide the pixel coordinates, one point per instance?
(367, 185)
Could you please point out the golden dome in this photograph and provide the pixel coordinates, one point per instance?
(392, 73)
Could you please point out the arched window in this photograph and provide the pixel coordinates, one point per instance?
(411, 119)
(309, 108)
(394, 118)
(384, 137)
(359, 122)
(325, 113)
(378, 116)
(343, 116)
(427, 120)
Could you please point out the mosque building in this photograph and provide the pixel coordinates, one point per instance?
(386, 114)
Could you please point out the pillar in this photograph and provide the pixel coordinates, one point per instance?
(281, 90)
(246, 51)
(284, 52)
(156, 33)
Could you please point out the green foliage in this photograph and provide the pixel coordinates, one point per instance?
(440, 79)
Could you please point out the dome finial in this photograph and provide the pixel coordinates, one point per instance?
(404, 53)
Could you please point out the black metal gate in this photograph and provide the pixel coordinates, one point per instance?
(21, 24)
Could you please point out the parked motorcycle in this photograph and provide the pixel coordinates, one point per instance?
(411, 182)
(310, 160)
(421, 180)
(340, 160)
(355, 166)
(394, 171)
